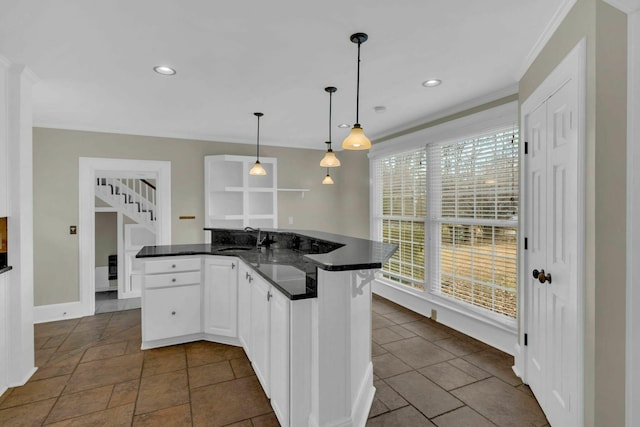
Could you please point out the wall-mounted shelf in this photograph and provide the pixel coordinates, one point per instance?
(290, 190)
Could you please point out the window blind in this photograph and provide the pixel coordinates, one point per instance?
(473, 218)
(400, 207)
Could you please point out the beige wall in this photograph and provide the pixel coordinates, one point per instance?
(106, 237)
(339, 208)
(604, 289)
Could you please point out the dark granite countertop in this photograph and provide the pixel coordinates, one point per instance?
(5, 269)
(289, 259)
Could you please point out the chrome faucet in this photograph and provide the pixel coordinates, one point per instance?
(259, 241)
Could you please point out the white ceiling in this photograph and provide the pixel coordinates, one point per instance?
(94, 60)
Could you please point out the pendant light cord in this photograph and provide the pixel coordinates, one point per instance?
(358, 86)
(330, 95)
(258, 142)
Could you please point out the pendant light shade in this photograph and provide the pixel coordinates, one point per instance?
(327, 179)
(330, 160)
(257, 168)
(357, 140)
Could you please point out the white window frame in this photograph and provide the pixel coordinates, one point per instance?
(495, 329)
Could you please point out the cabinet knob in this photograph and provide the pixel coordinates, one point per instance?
(246, 276)
(250, 278)
(233, 266)
(173, 280)
(269, 295)
(173, 266)
(173, 313)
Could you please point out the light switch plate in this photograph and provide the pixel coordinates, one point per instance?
(73, 229)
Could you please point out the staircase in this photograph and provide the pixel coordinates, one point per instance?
(136, 198)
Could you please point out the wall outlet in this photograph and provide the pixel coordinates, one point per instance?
(73, 229)
(434, 314)
(290, 220)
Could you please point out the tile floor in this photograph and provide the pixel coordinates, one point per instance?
(107, 302)
(92, 372)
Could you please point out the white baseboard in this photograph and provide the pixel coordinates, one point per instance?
(364, 399)
(499, 337)
(24, 379)
(63, 311)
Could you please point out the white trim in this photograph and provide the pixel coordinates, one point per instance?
(87, 173)
(482, 122)
(632, 392)
(557, 18)
(573, 66)
(54, 312)
(22, 381)
(467, 322)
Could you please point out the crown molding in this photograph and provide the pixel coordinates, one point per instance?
(626, 6)
(552, 26)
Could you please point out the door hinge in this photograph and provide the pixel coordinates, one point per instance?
(526, 339)
(526, 243)
(526, 147)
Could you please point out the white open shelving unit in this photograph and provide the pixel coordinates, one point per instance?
(235, 199)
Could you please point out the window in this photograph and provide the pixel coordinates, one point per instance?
(452, 208)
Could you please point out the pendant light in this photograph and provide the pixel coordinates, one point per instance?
(327, 179)
(257, 168)
(357, 140)
(330, 160)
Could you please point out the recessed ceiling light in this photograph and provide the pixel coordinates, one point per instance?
(344, 125)
(431, 83)
(164, 70)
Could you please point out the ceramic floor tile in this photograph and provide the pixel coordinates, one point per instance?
(203, 353)
(162, 360)
(78, 404)
(103, 372)
(404, 417)
(377, 408)
(176, 416)
(124, 393)
(388, 395)
(418, 352)
(162, 391)
(35, 391)
(377, 350)
(49, 329)
(241, 367)
(77, 340)
(387, 365)
(213, 373)
(469, 369)
(105, 351)
(459, 347)
(244, 423)
(268, 420)
(32, 414)
(447, 376)
(379, 321)
(384, 336)
(120, 416)
(462, 417)
(402, 317)
(404, 333)
(423, 394)
(426, 330)
(501, 403)
(498, 364)
(219, 404)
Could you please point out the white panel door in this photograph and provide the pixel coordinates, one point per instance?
(220, 296)
(552, 200)
(135, 237)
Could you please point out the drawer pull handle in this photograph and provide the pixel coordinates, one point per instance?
(246, 276)
(233, 266)
(173, 266)
(269, 295)
(173, 280)
(173, 313)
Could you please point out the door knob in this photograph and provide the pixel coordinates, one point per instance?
(542, 276)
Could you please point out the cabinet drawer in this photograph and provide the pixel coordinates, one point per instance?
(171, 312)
(168, 265)
(171, 279)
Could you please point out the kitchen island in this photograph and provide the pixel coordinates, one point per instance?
(299, 303)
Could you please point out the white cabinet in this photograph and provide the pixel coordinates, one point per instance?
(220, 296)
(235, 199)
(279, 362)
(244, 307)
(259, 327)
(171, 300)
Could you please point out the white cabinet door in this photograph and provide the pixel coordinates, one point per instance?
(221, 296)
(4, 144)
(279, 355)
(170, 312)
(260, 318)
(244, 307)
